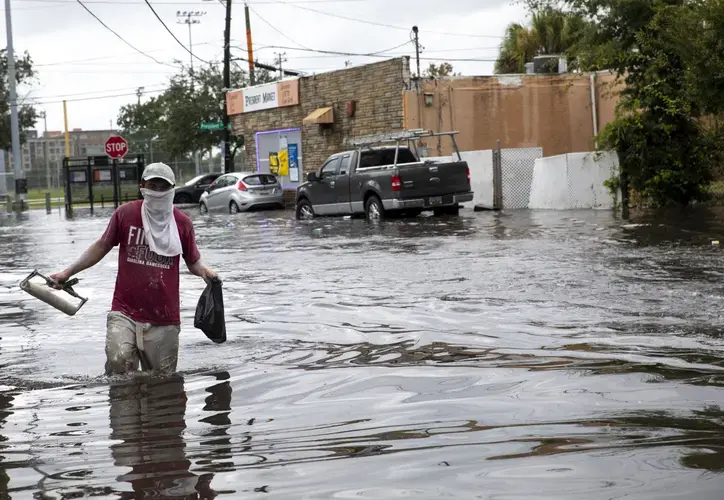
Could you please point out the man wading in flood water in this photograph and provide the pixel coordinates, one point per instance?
(144, 322)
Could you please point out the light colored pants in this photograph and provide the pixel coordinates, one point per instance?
(128, 342)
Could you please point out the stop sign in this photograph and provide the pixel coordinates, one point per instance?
(116, 146)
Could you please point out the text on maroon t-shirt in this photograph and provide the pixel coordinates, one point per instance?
(147, 285)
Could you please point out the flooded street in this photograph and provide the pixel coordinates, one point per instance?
(537, 355)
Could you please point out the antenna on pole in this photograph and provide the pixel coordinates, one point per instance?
(281, 58)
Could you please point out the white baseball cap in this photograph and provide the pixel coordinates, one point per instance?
(159, 171)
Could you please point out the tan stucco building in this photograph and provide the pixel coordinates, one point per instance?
(561, 113)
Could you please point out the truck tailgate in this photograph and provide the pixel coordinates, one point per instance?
(433, 179)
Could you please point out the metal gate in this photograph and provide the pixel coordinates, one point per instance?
(100, 180)
(513, 176)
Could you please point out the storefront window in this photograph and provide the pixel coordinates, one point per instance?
(279, 152)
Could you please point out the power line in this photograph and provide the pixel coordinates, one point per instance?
(373, 23)
(119, 36)
(378, 53)
(171, 33)
(396, 54)
(60, 63)
(96, 91)
(276, 29)
(94, 98)
(268, 67)
(197, 2)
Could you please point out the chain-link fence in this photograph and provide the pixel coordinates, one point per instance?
(513, 175)
(48, 179)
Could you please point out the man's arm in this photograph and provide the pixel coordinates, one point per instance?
(92, 256)
(199, 269)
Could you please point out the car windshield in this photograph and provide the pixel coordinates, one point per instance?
(194, 180)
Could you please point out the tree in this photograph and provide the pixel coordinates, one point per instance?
(173, 118)
(437, 71)
(552, 31)
(27, 115)
(666, 154)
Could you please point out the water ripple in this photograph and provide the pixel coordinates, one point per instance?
(494, 355)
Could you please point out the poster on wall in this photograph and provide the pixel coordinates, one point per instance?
(293, 163)
(274, 163)
(283, 163)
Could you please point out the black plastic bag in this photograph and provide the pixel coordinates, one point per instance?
(209, 316)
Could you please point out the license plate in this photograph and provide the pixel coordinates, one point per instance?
(435, 200)
(263, 191)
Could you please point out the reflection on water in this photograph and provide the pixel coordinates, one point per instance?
(148, 419)
(560, 355)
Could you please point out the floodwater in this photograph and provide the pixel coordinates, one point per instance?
(536, 355)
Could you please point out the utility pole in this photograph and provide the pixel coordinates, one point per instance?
(416, 40)
(44, 115)
(190, 17)
(249, 50)
(280, 60)
(139, 93)
(226, 133)
(21, 187)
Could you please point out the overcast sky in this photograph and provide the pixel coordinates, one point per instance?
(79, 60)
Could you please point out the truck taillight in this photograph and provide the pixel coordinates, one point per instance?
(468, 169)
(396, 184)
(241, 186)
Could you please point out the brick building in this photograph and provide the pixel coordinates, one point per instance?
(306, 119)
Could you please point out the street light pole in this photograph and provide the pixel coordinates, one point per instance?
(45, 149)
(190, 17)
(21, 187)
(187, 17)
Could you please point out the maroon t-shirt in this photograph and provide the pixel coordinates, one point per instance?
(147, 285)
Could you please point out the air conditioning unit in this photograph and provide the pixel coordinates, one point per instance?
(545, 64)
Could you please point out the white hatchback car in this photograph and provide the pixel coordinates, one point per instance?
(242, 191)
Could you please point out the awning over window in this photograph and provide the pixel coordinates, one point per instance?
(320, 116)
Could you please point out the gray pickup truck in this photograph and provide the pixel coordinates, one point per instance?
(386, 180)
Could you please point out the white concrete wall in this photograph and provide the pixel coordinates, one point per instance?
(573, 180)
(548, 188)
(481, 173)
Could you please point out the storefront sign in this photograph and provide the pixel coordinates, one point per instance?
(260, 97)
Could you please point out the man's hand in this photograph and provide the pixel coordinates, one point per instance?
(208, 274)
(60, 278)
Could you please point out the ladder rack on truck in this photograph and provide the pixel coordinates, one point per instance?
(399, 136)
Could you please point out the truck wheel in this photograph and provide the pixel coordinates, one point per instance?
(374, 210)
(304, 210)
(453, 210)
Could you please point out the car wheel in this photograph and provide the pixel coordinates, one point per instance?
(234, 208)
(305, 210)
(182, 199)
(374, 211)
(203, 208)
